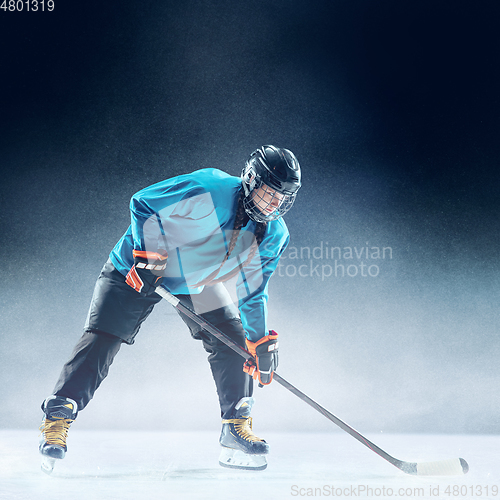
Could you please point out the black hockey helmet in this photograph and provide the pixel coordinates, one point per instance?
(274, 168)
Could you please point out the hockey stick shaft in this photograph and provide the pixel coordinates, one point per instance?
(245, 354)
(408, 467)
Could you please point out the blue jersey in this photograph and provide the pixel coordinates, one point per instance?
(192, 217)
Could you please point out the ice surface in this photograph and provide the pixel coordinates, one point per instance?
(161, 465)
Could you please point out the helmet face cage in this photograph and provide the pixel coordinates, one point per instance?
(262, 202)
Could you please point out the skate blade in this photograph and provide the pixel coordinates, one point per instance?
(236, 459)
(48, 464)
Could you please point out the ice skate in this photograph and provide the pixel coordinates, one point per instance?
(59, 414)
(241, 448)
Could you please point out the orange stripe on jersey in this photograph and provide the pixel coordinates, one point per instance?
(143, 254)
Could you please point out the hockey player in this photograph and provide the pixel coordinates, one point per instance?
(190, 234)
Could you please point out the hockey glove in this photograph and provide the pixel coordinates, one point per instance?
(265, 353)
(146, 273)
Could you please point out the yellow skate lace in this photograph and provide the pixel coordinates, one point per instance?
(243, 426)
(56, 431)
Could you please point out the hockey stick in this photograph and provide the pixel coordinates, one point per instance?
(450, 467)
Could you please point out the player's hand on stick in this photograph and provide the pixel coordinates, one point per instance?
(147, 272)
(265, 354)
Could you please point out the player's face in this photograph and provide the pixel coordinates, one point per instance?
(266, 199)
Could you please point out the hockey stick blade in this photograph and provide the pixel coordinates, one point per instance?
(450, 467)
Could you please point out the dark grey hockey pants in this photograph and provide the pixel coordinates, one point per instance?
(115, 316)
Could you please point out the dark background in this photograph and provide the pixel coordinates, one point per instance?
(392, 109)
